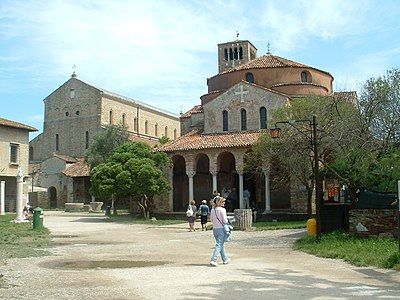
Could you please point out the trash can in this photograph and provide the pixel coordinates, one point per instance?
(108, 211)
(37, 218)
(312, 227)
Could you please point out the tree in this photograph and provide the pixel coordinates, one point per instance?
(105, 143)
(133, 171)
(163, 140)
(293, 152)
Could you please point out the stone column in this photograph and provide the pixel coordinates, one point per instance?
(214, 179)
(241, 204)
(266, 172)
(20, 187)
(191, 174)
(93, 199)
(2, 197)
(70, 190)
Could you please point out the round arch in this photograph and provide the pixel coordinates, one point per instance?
(52, 193)
(228, 180)
(180, 183)
(202, 181)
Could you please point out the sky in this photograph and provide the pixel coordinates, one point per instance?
(162, 52)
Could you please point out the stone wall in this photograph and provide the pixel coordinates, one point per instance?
(376, 221)
(40, 199)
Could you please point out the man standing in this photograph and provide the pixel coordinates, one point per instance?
(246, 198)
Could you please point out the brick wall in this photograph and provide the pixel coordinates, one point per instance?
(377, 221)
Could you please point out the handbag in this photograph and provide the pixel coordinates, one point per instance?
(189, 212)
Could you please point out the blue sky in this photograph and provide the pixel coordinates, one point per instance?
(162, 52)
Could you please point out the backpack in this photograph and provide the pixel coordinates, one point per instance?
(189, 212)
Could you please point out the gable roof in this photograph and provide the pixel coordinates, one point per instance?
(78, 169)
(196, 140)
(13, 124)
(66, 158)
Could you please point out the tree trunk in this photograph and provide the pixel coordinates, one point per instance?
(309, 202)
(243, 219)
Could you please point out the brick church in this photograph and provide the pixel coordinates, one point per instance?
(217, 133)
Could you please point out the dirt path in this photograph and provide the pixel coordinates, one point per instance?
(171, 263)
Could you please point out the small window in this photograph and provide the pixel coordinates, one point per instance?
(305, 77)
(67, 114)
(57, 142)
(156, 130)
(243, 119)
(174, 134)
(263, 118)
(135, 125)
(226, 54)
(110, 117)
(123, 120)
(250, 77)
(87, 140)
(225, 120)
(146, 127)
(14, 153)
(77, 112)
(72, 93)
(240, 53)
(166, 131)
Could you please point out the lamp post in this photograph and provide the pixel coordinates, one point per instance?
(276, 132)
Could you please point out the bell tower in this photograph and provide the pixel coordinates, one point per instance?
(232, 54)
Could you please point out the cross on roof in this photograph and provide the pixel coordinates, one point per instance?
(241, 92)
(268, 51)
(237, 35)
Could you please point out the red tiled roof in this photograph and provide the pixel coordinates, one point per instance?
(195, 110)
(268, 61)
(195, 140)
(297, 83)
(18, 125)
(78, 169)
(66, 158)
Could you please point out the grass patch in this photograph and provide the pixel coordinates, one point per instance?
(279, 225)
(18, 240)
(359, 251)
(131, 219)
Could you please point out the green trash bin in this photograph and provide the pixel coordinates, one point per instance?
(37, 218)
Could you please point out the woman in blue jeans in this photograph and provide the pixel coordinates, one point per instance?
(219, 218)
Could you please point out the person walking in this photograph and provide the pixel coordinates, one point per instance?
(204, 212)
(192, 217)
(219, 218)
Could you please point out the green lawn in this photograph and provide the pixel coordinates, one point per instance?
(279, 225)
(20, 240)
(373, 251)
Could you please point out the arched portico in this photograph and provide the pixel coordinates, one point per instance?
(179, 183)
(202, 180)
(52, 193)
(228, 180)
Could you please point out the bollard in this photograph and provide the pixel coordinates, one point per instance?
(312, 227)
(37, 218)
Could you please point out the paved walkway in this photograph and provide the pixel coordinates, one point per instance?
(171, 263)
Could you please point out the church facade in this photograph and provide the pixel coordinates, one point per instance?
(216, 134)
(73, 114)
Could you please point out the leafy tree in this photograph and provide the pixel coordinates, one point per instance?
(163, 140)
(133, 171)
(105, 143)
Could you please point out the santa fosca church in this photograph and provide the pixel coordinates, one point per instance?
(216, 134)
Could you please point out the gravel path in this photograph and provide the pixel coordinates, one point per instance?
(171, 263)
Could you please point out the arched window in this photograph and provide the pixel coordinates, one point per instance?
(156, 130)
(263, 118)
(243, 119)
(250, 77)
(225, 120)
(87, 140)
(123, 120)
(230, 54)
(67, 114)
(77, 112)
(146, 127)
(240, 53)
(166, 131)
(305, 76)
(174, 134)
(235, 53)
(110, 117)
(135, 124)
(226, 54)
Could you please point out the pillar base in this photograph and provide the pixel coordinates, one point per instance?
(267, 211)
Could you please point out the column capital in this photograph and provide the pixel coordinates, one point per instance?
(266, 170)
(190, 173)
(240, 171)
(214, 172)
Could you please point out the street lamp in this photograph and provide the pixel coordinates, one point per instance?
(276, 132)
